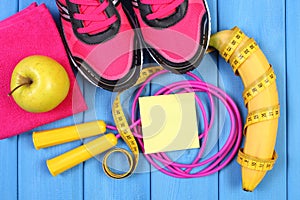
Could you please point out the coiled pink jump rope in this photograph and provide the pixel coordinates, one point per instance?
(210, 165)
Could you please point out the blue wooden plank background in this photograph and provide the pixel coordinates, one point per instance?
(293, 116)
(274, 24)
(9, 147)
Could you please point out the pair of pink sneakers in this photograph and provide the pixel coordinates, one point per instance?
(105, 38)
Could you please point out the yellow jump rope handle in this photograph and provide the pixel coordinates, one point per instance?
(48, 138)
(80, 154)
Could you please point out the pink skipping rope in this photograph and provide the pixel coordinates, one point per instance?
(216, 162)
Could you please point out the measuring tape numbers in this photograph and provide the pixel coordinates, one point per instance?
(255, 163)
(250, 47)
(262, 115)
(259, 85)
(125, 131)
(238, 36)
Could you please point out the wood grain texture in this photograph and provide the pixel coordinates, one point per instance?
(265, 22)
(8, 147)
(293, 82)
(8, 8)
(9, 168)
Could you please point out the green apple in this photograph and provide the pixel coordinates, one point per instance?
(39, 84)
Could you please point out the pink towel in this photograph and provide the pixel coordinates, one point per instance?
(30, 32)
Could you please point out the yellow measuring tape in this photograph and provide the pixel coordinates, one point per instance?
(259, 85)
(262, 115)
(251, 92)
(125, 132)
(238, 36)
(250, 48)
(256, 163)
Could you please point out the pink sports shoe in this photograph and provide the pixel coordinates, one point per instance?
(101, 42)
(176, 32)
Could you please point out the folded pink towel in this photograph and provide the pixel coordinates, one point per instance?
(32, 32)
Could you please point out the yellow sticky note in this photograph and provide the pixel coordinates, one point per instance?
(169, 122)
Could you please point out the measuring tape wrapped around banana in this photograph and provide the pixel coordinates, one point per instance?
(260, 97)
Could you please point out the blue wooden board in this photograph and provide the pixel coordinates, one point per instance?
(273, 24)
(293, 111)
(9, 147)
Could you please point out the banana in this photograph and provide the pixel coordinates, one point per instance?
(260, 97)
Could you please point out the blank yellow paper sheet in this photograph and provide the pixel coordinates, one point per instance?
(169, 122)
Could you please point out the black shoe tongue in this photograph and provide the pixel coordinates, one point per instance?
(155, 8)
(165, 21)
